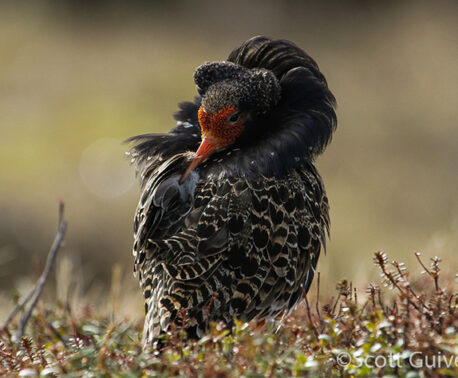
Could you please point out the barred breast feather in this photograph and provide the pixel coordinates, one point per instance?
(237, 247)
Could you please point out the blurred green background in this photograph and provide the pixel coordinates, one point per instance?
(79, 77)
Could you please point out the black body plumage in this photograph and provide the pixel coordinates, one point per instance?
(241, 235)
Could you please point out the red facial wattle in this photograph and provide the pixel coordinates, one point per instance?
(218, 132)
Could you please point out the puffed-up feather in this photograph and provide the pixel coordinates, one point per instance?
(241, 236)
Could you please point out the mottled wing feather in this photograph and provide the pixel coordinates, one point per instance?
(163, 204)
(241, 247)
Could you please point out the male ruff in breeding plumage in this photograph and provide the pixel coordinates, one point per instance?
(233, 213)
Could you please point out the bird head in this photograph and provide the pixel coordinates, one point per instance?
(231, 96)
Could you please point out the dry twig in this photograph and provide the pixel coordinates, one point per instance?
(312, 324)
(18, 308)
(36, 292)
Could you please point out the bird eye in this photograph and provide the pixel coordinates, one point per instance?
(234, 117)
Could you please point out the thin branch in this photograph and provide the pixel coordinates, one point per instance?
(394, 282)
(18, 307)
(402, 274)
(333, 311)
(53, 330)
(417, 255)
(315, 332)
(38, 289)
(318, 297)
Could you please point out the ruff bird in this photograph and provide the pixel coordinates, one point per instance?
(233, 213)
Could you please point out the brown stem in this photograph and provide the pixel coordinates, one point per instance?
(39, 287)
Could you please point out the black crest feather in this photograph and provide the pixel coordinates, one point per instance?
(291, 130)
(302, 123)
(224, 83)
(276, 55)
